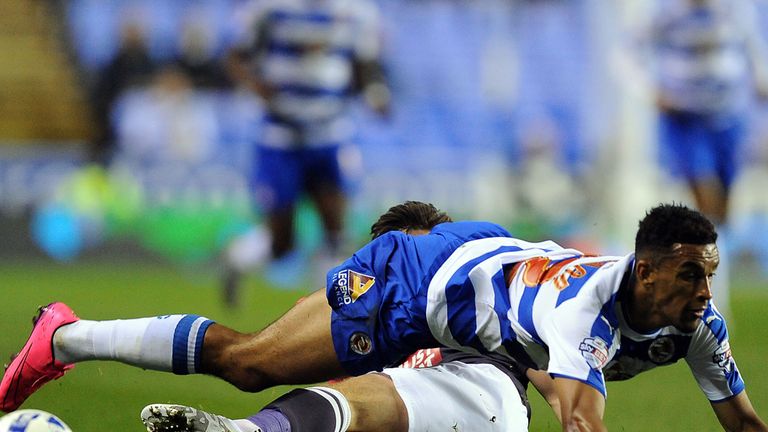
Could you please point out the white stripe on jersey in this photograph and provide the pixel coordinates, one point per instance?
(547, 299)
(487, 322)
(330, 73)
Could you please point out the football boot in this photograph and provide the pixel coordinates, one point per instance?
(180, 418)
(34, 365)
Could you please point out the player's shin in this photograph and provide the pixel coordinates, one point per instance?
(315, 409)
(171, 343)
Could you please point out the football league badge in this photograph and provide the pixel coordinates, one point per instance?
(722, 356)
(595, 351)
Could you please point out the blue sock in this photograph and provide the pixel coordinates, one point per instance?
(188, 343)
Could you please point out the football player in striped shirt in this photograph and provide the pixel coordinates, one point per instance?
(306, 59)
(709, 61)
(465, 285)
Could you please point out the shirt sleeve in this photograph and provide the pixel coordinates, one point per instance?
(368, 28)
(580, 341)
(710, 359)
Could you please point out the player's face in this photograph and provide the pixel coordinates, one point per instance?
(683, 284)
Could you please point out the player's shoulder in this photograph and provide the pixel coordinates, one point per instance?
(713, 324)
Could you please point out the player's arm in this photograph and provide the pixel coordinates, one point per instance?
(545, 385)
(371, 83)
(581, 405)
(369, 79)
(239, 58)
(737, 414)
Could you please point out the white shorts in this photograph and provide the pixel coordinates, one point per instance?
(460, 397)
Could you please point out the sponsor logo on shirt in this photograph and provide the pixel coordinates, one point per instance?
(350, 285)
(595, 350)
(423, 358)
(360, 343)
(722, 356)
(540, 270)
(661, 350)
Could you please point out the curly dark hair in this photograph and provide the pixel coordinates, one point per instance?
(667, 224)
(410, 215)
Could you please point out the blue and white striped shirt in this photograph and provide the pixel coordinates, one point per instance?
(560, 310)
(703, 54)
(305, 52)
(472, 287)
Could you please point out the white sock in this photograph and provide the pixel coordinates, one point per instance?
(170, 343)
(250, 250)
(339, 403)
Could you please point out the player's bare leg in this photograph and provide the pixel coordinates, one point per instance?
(280, 222)
(331, 205)
(368, 403)
(374, 403)
(712, 199)
(295, 349)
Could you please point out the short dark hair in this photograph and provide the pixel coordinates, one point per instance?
(410, 215)
(667, 224)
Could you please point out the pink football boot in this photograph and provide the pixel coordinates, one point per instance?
(35, 365)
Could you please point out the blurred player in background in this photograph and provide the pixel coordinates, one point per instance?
(304, 58)
(465, 285)
(708, 56)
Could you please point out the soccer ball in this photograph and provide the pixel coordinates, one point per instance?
(32, 420)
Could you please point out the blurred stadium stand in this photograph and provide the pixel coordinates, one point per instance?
(483, 92)
(41, 95)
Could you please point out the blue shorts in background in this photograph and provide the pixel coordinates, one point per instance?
(282, 175)
(695, 146)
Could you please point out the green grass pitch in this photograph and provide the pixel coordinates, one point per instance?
(108, 396)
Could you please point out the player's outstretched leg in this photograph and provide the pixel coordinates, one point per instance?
(296, 349)
(180, 418)
(35, 364)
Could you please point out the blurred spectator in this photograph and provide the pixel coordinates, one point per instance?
(550, 147)
(167, 122)
(198, 57)
(131, 66)
(305, 58)
(707, 55)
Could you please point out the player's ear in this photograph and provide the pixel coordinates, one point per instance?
(645, 271)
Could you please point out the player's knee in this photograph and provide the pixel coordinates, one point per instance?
(374, 403)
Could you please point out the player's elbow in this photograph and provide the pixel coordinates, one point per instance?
(582, 422)
(747, 424)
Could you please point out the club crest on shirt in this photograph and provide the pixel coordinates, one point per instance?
(360, 343)
(350, 285)
(661, 350)
(722, 356)
(595, 350)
